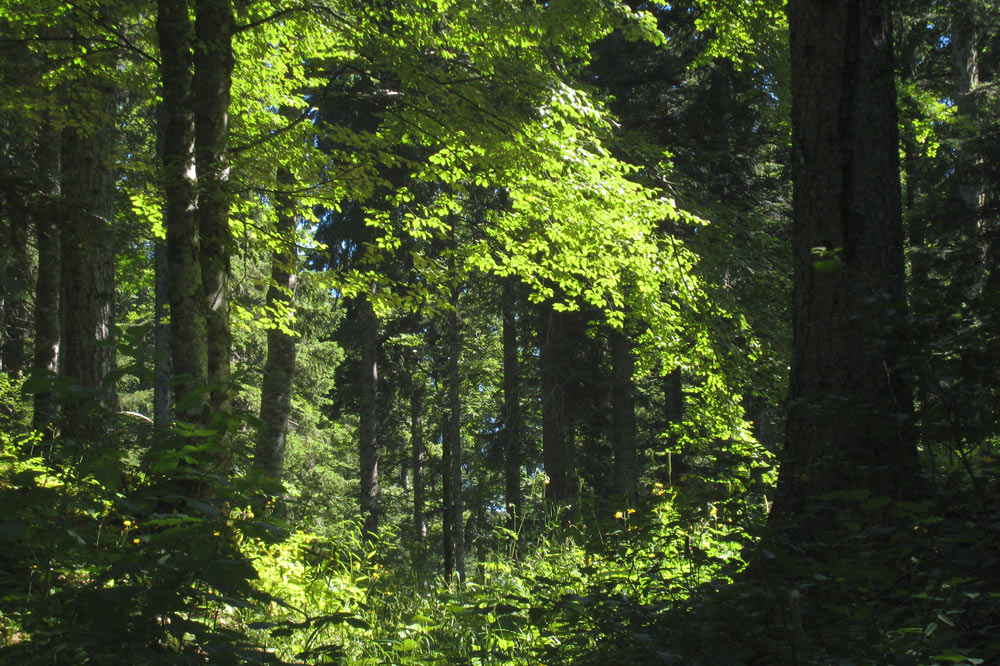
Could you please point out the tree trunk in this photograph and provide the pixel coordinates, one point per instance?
(15, 319)
(162, 371)
(87, 259)
(279, 369)
(623, 417)
(419, 459)
(47, 214)
(556, 424)
(965, 75)
(369, 445)
(513, 421)
(454, 544)
(188, 335)
(213, 68)
(673, 399)
(849, 406)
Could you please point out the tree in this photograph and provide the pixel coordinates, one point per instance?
(848, 425)
(87, 278)
(623, 417)
(47, 329)
(210, 87)
(188, 342)
(513, 420)
(279, 368)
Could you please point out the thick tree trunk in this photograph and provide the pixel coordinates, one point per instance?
(279, 369)
(47, 214)
(623, 417)
(454, 542)
(557, 437)
(213, 69)
(849, 406)
(512, 421)
(87, 258)
(369, 446)
(188, 335)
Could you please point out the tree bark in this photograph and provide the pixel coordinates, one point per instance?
(419, 456)
(513, 421)
(188, 335)
(454, 543)
(87, 258)
(850, 408)
(557, 438)
(47, 214)
(623, 417)
(673, 402)
(213, 69)
(369, 445)
(279, 368)
(15, 318)
(162, 368)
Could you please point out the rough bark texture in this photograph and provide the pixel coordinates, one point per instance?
(46, 218)
(454, 543)
(557, 436)
(87, 258)
(279, 368)
(369, 445)
(513, 421)
(623, 417)
(213, 69)
(849, 407)
(188, 336)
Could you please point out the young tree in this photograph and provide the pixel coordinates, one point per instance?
(513, 421)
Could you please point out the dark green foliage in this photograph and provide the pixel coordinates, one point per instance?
(108, 558)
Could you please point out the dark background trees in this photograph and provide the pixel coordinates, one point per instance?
(485, 322)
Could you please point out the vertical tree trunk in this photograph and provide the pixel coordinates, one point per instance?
(16, 286)
(849, 406)
(673, 399)
(418, 449)
(513, 421)
(965, 75)
(162, 371)
(454, 543)
(188, 335)
(279, 369)
(87, 258)
(369, 445)
(557, 435)
(623, 416)
(213, 68)
(46, 214)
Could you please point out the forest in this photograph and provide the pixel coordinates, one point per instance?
(489, 332)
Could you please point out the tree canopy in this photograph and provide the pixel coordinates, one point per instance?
(440, 331)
